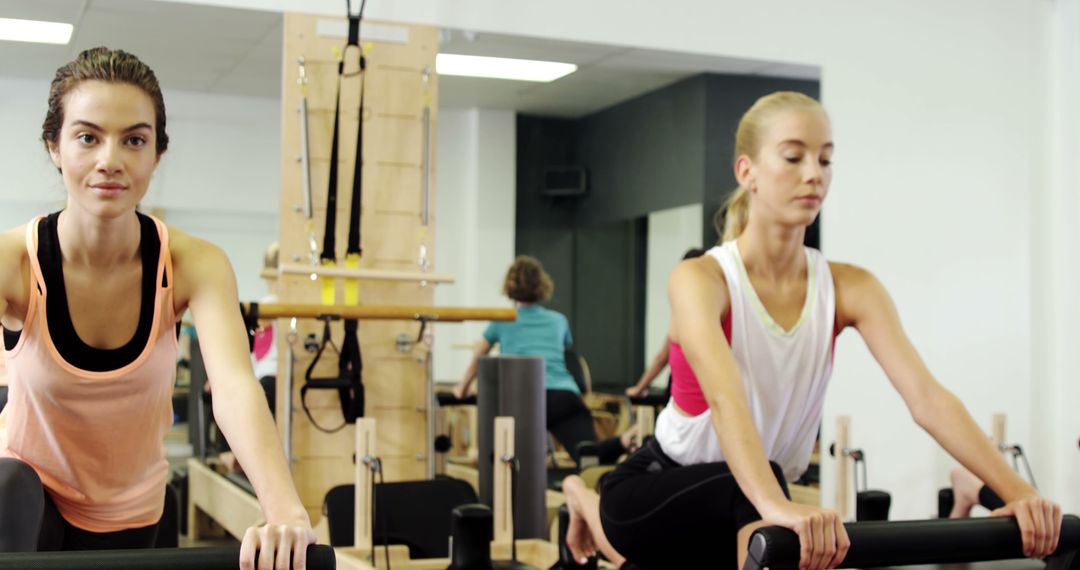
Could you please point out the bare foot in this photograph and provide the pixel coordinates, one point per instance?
(578, 536)
(629, 438)
(965, 492)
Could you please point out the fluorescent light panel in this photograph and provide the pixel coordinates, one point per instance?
(35, 31)
(501, 67)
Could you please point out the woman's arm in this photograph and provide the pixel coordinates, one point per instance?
(240, 407)
(862, 302)
(13, 274)
(658, 363)
(462, 389)
(699, 297)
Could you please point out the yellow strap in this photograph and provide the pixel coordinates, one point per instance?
(329, 285)
(352, 284)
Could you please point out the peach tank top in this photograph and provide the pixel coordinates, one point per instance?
(96, 439)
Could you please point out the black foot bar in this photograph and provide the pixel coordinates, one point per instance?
(319, 557)
(903, 543)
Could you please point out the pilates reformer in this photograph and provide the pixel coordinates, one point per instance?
(232, 506)
(365, 554)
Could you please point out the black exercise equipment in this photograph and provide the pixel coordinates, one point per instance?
(413, 513)
(651, 399)
(875, 544)
(447, 399)
(472, 528)
(319, 557)
(945, 501)
(870, 505)
(514, 386)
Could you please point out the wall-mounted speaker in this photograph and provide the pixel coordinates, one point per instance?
(565, 180)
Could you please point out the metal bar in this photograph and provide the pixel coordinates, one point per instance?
(385, 312)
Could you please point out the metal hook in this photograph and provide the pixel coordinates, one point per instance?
(303, 79)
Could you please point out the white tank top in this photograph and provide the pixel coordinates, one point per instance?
(783, 373)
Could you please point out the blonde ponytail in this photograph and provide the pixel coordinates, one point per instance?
(730, 220)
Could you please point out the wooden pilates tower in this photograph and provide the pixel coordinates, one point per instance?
(398, 195)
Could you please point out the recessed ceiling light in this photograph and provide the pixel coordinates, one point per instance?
(501, 67)
(35, 31)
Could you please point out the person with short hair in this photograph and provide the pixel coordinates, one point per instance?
(538, 331)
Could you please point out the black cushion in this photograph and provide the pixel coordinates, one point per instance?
(413, 513)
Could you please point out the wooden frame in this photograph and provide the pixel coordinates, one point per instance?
(366, 557)
(211, 495)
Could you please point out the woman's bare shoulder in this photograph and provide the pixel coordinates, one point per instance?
(14, 265)
(12, 249)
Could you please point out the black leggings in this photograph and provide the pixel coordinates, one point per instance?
(569, 420)
(29, 521)
(659, 514)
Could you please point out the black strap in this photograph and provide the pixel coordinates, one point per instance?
(330, 229)
(251, 323)
(350, 362)
(350, 397)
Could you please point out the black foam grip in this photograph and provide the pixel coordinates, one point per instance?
(649, 399)
(319, 557)
(447, 399)
(471, 531)
(872, 505)
(911, 542)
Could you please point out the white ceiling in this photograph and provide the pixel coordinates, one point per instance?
(231, 51)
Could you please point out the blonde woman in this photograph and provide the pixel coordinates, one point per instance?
(751, 350)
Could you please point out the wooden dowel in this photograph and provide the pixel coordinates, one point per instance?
(384, 312)
(646, 423)
(367, 274)
(502, 495)
(843, 463)
(365, 450)
(997, 429)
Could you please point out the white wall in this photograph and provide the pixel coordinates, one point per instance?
(219, 180)
(941, 118)
(1056, 308)
(671, 233)
(474, 225)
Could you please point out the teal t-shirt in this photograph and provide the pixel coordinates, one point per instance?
(537, 332)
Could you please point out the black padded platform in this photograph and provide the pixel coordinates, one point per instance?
(906, 543)
(446, 399)
(654, 399)
(319, 557)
